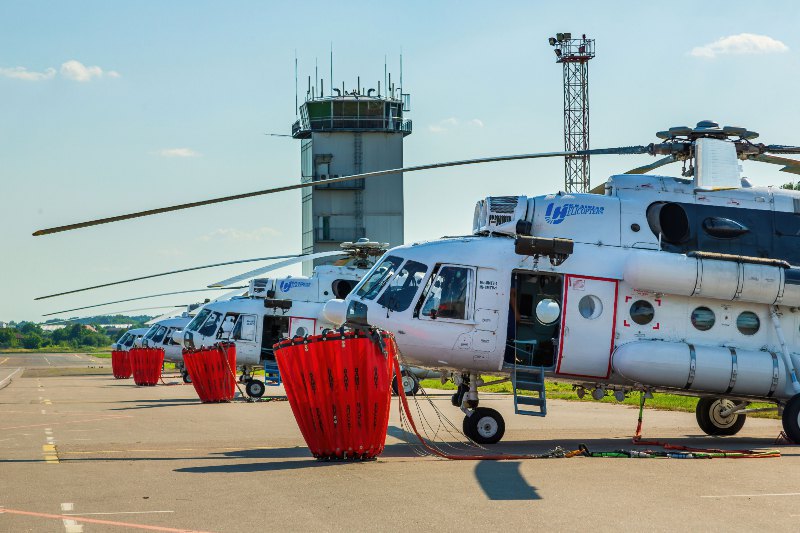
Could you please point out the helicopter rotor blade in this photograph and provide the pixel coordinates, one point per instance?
(133, 300)
(168, 274)
(599, 151)
(790, 165)
(659, 163)
(781, 149)
(273, 266)
(111, 313)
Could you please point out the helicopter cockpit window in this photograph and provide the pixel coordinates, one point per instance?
(159, 336)
(151, 332)
(375, 282)
(245, 328)
(197, 321)
(130, 340)
(447, 296)
(168, 340)
(228, 323)
(211, 324)
(401, 290)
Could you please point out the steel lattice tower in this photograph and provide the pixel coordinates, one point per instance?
(574, 55)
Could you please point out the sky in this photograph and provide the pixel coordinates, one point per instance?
(112, 107)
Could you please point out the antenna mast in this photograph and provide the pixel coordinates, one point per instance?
(574, 55)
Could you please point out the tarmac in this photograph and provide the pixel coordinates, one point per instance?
(83, 452)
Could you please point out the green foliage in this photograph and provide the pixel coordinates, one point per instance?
(8, 338)
(791, 186)
(32, 341)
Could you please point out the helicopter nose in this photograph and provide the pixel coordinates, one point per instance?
(335, 311)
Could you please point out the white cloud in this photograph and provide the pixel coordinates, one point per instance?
(239, 235)
(178, 152)
(453, 123)
(113, 74)
(77, 71)
(744, 43)
(22, 73)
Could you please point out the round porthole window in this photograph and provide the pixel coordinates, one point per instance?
(703, 318)
(590, 307)
(547, 311)
(642, 312)
(748, 323)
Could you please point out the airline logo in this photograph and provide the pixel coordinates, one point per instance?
(289, 284)
(556, 214)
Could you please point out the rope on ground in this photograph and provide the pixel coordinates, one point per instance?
(427, 446)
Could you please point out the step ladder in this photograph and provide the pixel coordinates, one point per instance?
(529, 378)
(272, 375)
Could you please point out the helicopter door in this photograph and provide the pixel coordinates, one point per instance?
(244, 335)
(587, 327)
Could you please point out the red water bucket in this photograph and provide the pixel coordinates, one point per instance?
(338, 386)
(213, 372)
(146, 364)
(120, 364)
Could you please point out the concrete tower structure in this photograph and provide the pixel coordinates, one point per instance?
(347, 133)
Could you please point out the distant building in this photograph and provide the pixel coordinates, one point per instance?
(52, 327)
(4, 325)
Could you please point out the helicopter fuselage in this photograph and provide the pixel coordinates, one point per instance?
(627, 308)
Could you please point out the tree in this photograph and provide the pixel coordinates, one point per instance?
(8, 338)
(791, 186)
(32, 341)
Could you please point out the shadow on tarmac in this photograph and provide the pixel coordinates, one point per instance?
(502, 480)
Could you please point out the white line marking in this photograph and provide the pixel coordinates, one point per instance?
(6, 380)
(753, 495)
(50, 440)
(119, 512)
(44, 412)
(67, 506)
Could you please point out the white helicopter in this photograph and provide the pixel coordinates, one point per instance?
(277, 308)
(128, 339)
(160, 335)
(661, 283)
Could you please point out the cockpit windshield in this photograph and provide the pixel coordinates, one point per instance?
(159, 336)
(211, 324)
(151, 332)
(378, 278)
(402, 288)
(194, 325)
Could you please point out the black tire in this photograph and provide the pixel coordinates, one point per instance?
(791, 419)
(484, 426)
(255, 388)
(410, 384)
(710, 421)
(458, 397)
(186, 377)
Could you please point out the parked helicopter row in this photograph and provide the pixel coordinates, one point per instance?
(689, 284)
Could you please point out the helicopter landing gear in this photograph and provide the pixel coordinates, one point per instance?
(457, 398)
(255, 388)
(484, 426)
(714, 416)
(186, 377)
(409, 381)
(791, 418)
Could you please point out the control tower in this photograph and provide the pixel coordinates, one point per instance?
(344, 133)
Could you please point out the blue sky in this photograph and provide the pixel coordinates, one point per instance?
(110, 107)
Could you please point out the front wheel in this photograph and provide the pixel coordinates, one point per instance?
(484, 426)
(711, 421)
(409, 381)
(255, 388)
(791, 419)
(186, 377)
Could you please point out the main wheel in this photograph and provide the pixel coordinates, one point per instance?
(186, 377)
(711, 421)
(410, 384)
(791, 419)
(484, 426)
(255, 388)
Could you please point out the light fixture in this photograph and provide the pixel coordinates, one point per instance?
(558, 52)
(559, 37)
(567, 36)
(552, 41)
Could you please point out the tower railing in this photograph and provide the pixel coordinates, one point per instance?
(330, 123)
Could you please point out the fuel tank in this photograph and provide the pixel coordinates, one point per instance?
(694, 367)
(706, 277)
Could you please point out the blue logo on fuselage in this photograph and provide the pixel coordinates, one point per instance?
(556, 215)
(289, 284)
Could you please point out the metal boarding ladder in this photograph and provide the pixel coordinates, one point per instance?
(272, 375)
(528, 378)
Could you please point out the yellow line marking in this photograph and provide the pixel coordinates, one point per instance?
(47, 402)
(50, 453)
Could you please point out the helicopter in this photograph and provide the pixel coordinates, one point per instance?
(277, 308)
(129, 339)
(160, 335)
(684, 284)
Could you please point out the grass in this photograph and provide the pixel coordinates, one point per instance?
(564, 391)
(97, 351)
